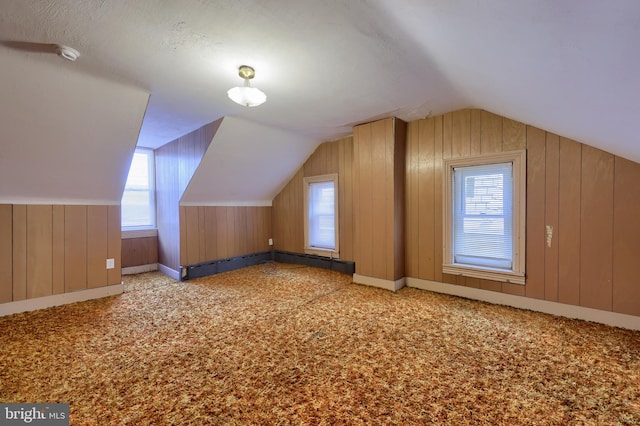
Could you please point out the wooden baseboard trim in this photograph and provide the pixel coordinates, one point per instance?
(169, 272)
(138, 269)
(379, 282)
(554, 308)
(11, 308)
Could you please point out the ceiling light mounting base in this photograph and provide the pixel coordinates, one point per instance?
(67, 52)
(246, 72)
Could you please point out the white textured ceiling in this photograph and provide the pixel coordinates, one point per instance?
(568, 66)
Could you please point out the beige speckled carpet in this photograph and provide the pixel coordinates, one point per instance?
(294, 345)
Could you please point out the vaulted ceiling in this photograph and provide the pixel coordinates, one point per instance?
(570, 67)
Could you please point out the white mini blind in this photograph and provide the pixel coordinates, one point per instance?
(322, 230)
(138, 200)
(482, 228)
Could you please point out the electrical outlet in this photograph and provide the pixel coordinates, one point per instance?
(111, 263)
(270, 241)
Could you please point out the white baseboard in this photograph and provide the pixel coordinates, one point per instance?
(59, 299)
(570, 311)
(139, 269)
(379, 282)
(169, 272)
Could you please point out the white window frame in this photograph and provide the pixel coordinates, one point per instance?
(308, 249)
(139, 230)
(517, 273)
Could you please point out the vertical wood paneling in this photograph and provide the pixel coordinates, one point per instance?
(447, 135)
(222, 232)
(75, 248)
(447, 142)
(390, 248)
(379, 165)
(288, 227)
(364, 220)
(437, 204)
(97, 241)
(232, 240)
(241, 231)
(597, 229)
(626, 237)
(476, 132)
(568, 233)
(202, 240)
(345, 188)
(114, 245)
(514, 135)
(139, 251)
(6, 253)
(288, 221)
(211, 236)
(461, 133)
(39, 251)
(267, 214)
(552, 176)
(253, 232)
(491, 137)
(398, 222)
(182, 219)
(563, 189)
(535, 213)
(377, 179)
(19, 252)
(412, 212)
(176, 162)
(57, 269)
(192, 226)
(426, 196)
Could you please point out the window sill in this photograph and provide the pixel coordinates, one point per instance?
(485, 274)
(139, 233)
(322, 252)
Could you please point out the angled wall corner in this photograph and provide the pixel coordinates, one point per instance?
(176, 163)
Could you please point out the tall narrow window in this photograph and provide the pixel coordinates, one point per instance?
(138, 201)
(321, 218)
(484, 217)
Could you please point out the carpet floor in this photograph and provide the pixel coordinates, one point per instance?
(282, 344)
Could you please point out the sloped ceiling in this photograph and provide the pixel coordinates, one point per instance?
(273, 154)
(65, 138)
(566, 66)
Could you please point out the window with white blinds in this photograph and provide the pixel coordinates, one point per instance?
(138, 203)
(484, 217)
(321, 207)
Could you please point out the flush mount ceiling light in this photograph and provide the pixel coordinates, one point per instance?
(245, 94)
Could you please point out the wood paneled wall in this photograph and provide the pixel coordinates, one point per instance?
(139, 251)
(288, 226)
(588, 196)
(54, 249)
(210, 233)
(176, 162)
(379, 203)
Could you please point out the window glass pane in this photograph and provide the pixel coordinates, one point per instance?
(138, 201)
(482, 216)
(322, 230)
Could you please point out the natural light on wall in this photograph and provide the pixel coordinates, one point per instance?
(138, 200)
